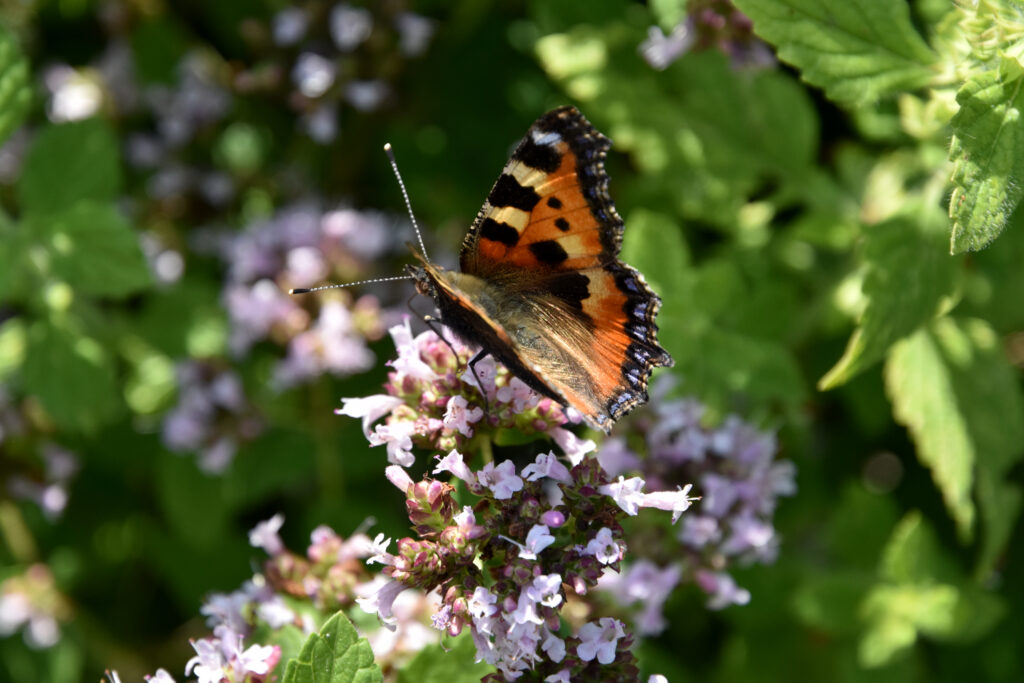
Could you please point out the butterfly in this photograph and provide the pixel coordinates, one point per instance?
(540, 286)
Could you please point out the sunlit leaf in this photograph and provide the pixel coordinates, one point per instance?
(988, 155)
(857, 50)
(334, 655)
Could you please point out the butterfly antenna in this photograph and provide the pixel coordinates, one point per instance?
(304, 290)
(405, 196)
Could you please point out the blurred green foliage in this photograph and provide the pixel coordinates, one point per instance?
(793, 217)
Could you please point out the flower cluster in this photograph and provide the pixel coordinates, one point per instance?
(303, 246)
(297, 592)
(503, 567)
(709, 25)
(212, 415)
(733, 467)
(37, 469)
(435, 401)
(323, 48)
(31, 601)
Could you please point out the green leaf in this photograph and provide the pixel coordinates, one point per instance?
(913, 554)
(922, 593)
(15, 86)
(766, 120)
(988, 155)
(448, 662)
(953, 387)
(93, 249)
(908, 275)
(897, 613)
(334, 655)
(72, 376)
(70, 163)
(857, 50)
(1000, 504)
(921, 390)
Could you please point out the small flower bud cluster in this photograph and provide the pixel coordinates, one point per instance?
(434, 401)
(734, 469)
(503, 566)
(212, 416)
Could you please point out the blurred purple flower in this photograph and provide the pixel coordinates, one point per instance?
(290, 26)
(313, 74)
(349, 26)
(212, 416)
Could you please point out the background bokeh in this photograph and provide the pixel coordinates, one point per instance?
(171, 169)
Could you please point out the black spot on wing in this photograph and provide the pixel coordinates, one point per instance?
(572, 288)
(541, 157)
(549, 251)
(562, 224)
(508, 192)
(554, 202)
(492, 230)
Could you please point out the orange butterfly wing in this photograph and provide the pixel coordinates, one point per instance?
(547, 239)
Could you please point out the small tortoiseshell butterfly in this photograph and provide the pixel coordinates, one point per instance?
(541, 287)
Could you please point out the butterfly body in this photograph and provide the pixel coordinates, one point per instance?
(540, 285)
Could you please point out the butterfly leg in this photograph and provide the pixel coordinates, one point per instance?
(480, 355)
(430, 320)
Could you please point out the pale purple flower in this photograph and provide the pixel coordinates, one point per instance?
(554, 647)
(628, 494)
(264, 535)
(399, 477)
(349, 26)
(573, 447)
(677, 501)
(454, 463)
(598, 641)
(398, 437)
(313, 74)
(616, 458)
(722, 588)
(275, 612)
(381, 600)
(370, 409)
(459, 416)
(563, 676)
(290, 26)
(305, 266)
(603, 547)
(646, 585)
(321, 122)
(537, 539)
(481, 604)
(161, 676)
(378, 551)
(414, 33)
(409, 363)
(657, 678)
(719, 494)
(526, 610)
(207, 665)
(501, 479)
(547, 465)
(553, 518)
(660, 50)
(546, 589)
(366, 96)
(519, 394)
(748, 533)
(700, 530)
